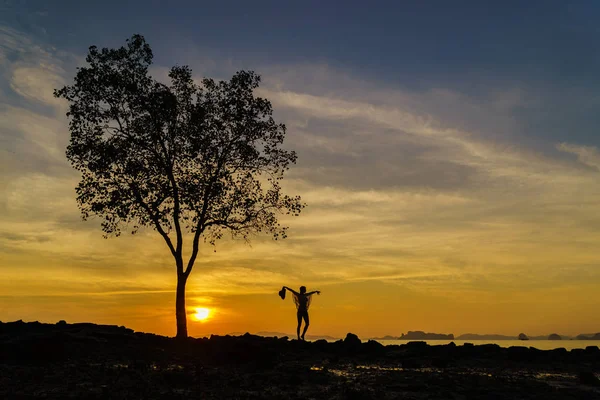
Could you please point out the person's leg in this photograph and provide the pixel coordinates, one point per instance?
(299, 315)
(306, 323)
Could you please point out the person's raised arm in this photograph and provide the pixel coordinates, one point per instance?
(316, 291)
(291, 290)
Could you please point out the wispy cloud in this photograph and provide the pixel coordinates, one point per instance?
(425, 190)
(587, 155)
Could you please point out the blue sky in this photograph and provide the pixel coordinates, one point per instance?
(448, 152)
(547, 47)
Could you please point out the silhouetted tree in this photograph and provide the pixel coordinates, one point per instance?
(204, 158)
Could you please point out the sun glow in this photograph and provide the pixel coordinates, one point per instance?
(202, 314)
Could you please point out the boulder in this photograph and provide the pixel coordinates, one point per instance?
(320, 344)
(588, 378)
(557, 354)
(489, 348)
(417, 345)
(519, 353)
(523, 336)
(373, 347)
(352, 340)
(592, 349)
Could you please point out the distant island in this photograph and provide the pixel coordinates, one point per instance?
(418, 335)
(421, 335)
(386, 337)
(493, 336)
(281, 334)
(554, 336)
(589, 336)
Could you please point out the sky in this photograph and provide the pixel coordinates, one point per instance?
(448, 153)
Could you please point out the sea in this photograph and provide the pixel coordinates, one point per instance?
(538, 344)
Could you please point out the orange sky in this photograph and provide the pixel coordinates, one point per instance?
(411, 224)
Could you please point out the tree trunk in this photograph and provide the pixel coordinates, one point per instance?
(180, 306)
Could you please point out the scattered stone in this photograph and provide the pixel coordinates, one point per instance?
(588, 378)
(411, 363)
(50, 360)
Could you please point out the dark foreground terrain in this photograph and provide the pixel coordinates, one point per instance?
(102, 362)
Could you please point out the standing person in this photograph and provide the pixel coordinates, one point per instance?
(302, 301)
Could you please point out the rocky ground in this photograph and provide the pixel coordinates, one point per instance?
(98, 361)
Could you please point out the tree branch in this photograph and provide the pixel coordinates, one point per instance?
(176, 212)
(238, 225)
(154, 217)
(177, 205)
(200, 226)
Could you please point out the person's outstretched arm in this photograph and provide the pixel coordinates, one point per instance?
(316, 291)
(291, 290)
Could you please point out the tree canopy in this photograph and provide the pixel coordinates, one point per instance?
(199, 157)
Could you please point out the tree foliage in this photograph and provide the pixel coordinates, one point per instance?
(206, 158)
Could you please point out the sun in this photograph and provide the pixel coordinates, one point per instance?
(201, 314)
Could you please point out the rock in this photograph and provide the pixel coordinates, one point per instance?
(352, 340)
(522, 336)
(416, 345)
(440, 362)
(592, 349)
(320, 344)
(559, 350)
(373, 347)
(589, 378)
(519, 353)
(411, 363)
(557, 354)
(62, 322)
(489, 348)
(577, 352)
(554, 336)
(125, 329)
